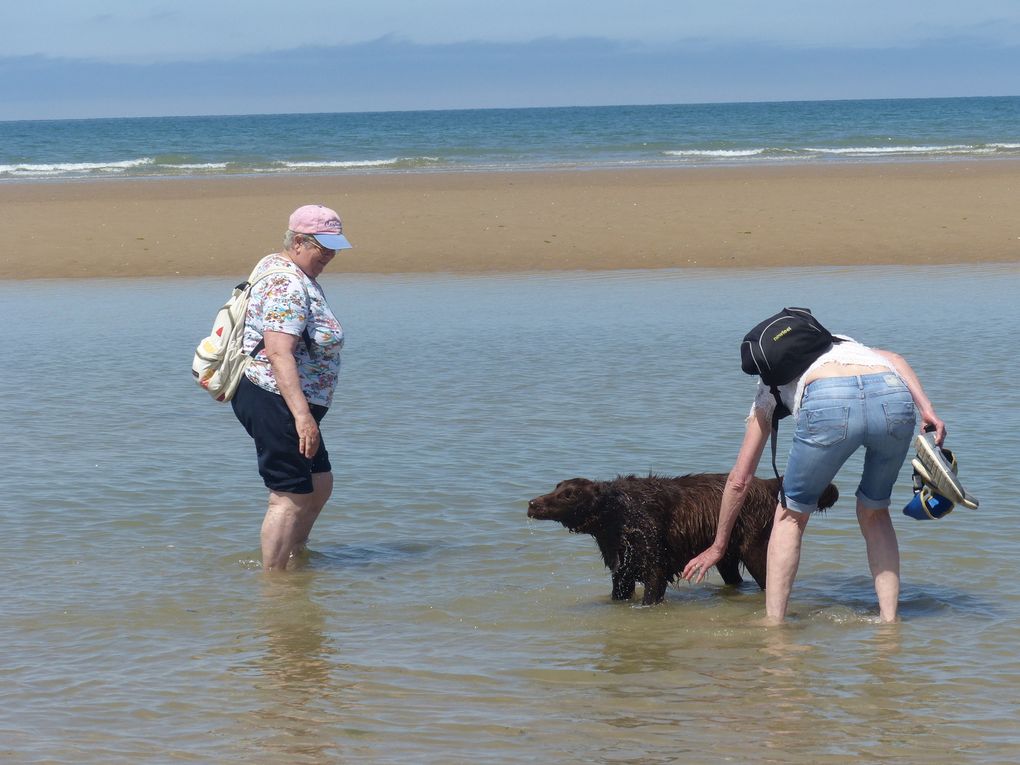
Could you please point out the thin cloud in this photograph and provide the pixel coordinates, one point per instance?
(390, 74)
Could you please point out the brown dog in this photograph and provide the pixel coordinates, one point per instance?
(648, 527)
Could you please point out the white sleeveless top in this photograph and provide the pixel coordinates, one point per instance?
(849, 352)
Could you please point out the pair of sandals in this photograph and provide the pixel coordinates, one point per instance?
(937, 489)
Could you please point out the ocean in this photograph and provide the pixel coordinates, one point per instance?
(941, 129)
(434, 623)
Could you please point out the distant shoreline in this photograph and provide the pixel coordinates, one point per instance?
(819, 213)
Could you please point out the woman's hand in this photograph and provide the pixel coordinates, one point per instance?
(698, 567)
(931, 421)
(308, 435)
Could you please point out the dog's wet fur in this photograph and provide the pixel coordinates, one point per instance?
(648, 527)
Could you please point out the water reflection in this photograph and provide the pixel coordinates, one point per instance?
(296, 661)
(298, 689)
(873, 700)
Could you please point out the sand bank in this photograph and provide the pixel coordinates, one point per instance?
(475, 222)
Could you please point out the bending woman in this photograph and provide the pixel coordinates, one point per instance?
(851, 396)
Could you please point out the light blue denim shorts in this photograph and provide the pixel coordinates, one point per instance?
(837, 416)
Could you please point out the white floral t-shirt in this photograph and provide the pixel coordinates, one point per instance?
(292, 303)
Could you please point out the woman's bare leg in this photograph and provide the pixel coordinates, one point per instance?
(784, 559)
(322, 488)
(883, 558)
(289, 520)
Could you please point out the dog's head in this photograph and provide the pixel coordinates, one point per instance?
(571, 503)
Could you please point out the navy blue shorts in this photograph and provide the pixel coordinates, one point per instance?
(268, 420)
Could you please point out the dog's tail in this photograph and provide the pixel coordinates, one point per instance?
(829, 497)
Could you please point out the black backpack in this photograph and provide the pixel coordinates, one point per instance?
(779, 350)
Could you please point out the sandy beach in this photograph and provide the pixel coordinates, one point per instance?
(937, 213)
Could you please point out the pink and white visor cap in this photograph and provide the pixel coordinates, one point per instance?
(321, 223)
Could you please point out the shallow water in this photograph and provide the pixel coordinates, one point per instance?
(433, 622)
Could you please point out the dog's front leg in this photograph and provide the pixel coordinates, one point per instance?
(624, 578)
(655, 588)
(624, 584)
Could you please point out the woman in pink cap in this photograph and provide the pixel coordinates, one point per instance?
(295, 340)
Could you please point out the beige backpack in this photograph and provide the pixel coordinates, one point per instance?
(219, 360)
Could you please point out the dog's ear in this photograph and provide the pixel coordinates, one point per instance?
(573, 504)
(829, 497)
(611, 497)
(588, 492)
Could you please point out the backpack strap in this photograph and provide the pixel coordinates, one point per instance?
(778, 413)
(304, 336)
(250, 284)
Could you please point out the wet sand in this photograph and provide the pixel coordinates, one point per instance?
(937, 213)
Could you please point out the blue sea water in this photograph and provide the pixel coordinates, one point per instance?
(514, 139)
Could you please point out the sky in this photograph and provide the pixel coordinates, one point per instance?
(108, 58)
